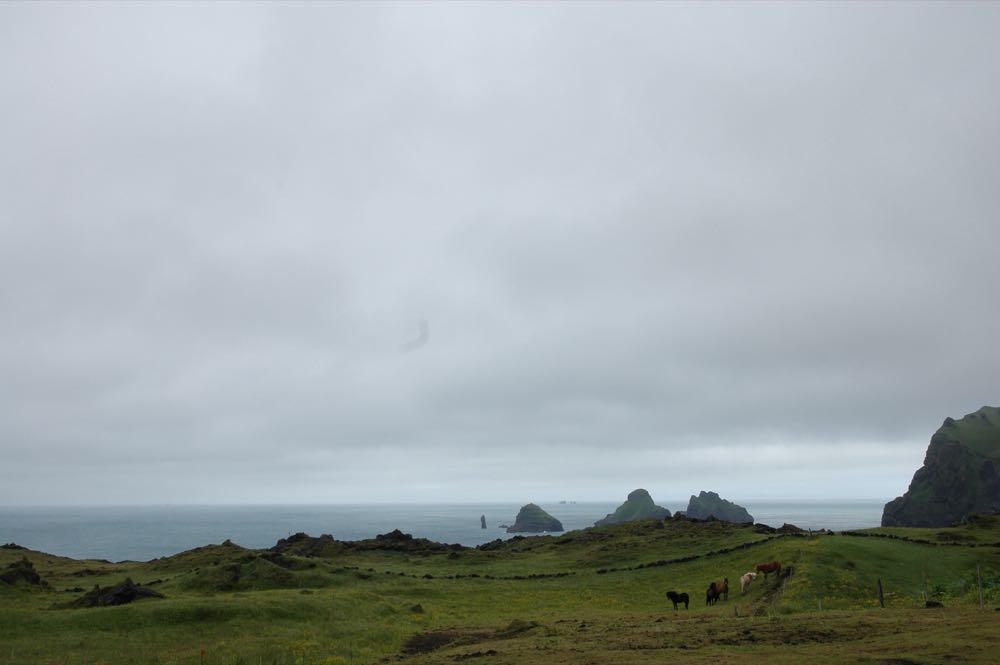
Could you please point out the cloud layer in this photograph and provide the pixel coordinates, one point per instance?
(747, 248)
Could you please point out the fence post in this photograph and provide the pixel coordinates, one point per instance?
(881, 598)
(979, 583)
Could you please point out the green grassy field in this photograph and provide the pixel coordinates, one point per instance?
(592, 596)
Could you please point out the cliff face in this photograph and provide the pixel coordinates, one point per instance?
(710, 504)
(532, 519)
(960, 475)
(638, 506)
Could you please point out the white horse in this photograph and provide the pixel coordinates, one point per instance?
(746, 580)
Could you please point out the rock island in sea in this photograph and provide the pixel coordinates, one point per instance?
(532, 519)
(638, 506)
(710, 504)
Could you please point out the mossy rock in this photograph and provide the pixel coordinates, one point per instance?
(22, 572)
(119, 594)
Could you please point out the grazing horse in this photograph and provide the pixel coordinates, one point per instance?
(717, 590)
(746, 580)
(772, 567)
(678, 598)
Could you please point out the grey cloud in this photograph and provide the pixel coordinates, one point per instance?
(650, 239)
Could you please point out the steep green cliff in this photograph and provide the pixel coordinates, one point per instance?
(960, 475)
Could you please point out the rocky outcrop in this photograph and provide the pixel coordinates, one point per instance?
(638, 506)
(960, 475)
(326, 546)
(710, 504)
(23, 572)
(532, 519)
(404, 542)
(482, 521)
(302, 544)
(120, 594)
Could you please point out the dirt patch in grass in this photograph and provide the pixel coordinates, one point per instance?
(798, 635)
(474, 654)
(436, 639)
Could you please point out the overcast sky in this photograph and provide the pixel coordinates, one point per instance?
(334, 253)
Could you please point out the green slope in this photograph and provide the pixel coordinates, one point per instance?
(595, 594)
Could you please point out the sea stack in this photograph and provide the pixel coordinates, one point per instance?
(638, 506)
(482, 521)
(710, 504)
(532, 519)
(960, 475)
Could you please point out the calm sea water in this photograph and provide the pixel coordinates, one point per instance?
(141, 533)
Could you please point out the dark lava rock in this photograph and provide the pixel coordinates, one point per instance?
(120, 594)
(960, 475)
(12, 546)
(395, 537)
(404, 542)
(496, 544)
(710, 504)
(532, 519)
(326, 546)
(22, 571)
(790, 528)
(638, 506)
(303, 544)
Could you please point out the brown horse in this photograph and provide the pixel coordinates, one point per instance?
(717, 590)
(772, 567)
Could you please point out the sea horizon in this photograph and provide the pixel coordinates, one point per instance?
(224, 504)
(141, 532)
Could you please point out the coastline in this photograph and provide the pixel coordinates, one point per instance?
(141, 533)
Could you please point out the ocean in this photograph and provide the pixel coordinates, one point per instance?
(140, 533)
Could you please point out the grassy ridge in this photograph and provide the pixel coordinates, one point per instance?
(363, 604)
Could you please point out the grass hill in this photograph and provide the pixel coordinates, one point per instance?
(595, 595)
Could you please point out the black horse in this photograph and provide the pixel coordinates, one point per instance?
(678, 598)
